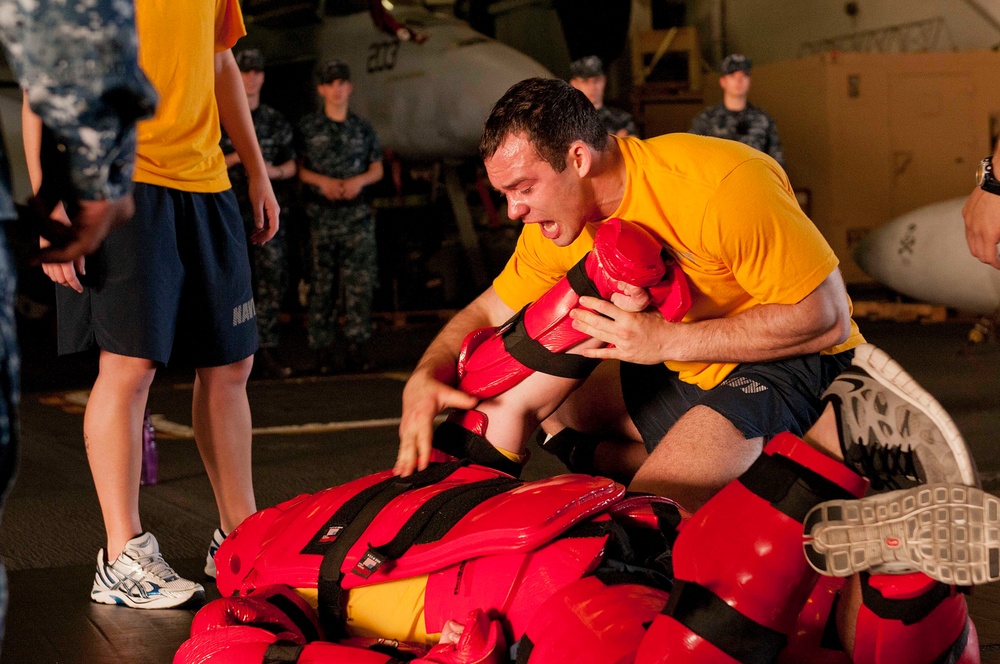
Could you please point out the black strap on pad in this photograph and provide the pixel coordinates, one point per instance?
(533, 354)
(459, 442)
(705, 614)
(792, 489)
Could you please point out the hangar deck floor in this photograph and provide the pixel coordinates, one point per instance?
(312, 433)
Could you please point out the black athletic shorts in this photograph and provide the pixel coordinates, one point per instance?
(760, 399)
(172, 284)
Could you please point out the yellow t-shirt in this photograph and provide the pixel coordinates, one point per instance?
(178, 40)
(727, 213)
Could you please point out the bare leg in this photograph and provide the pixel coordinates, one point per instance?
(112, 433)
(222, 427)
(847, 612)
(700, 454)
(514, 414)
(823, 434)
(597, 407)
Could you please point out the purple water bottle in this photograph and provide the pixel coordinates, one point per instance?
(150, 457)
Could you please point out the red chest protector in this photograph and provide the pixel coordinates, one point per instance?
(441, 520)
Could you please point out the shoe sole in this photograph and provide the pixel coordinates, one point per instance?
(880, 366)
(949, 532)
(161, 602)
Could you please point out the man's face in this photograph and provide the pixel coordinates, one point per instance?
(593, 87)
(536, 193)
(253, 80)
(736, 84)
(335, 92)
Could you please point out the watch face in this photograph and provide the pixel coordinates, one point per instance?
(985, 171)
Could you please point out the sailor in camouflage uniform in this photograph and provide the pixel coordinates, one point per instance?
(587, 76)
(735, 118)
(78, 66)
(269, 262)
(340, 156)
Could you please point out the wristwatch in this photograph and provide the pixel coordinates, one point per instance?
(985, 179)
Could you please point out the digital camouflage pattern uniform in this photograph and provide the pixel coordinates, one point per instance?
(268, 262)
(342, 232)
(751, 126)
(78, 64)
(615, 119)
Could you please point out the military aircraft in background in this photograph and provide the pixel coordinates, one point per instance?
(427, 98)
(427, 93)
(923, 254)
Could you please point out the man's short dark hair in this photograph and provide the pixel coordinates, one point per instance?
(551, 113)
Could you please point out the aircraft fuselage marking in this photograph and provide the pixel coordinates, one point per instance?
(382, 56)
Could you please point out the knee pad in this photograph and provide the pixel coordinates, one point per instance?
(741, 576)
(912, 619)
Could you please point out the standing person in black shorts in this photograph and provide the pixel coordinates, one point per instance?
(173, 285)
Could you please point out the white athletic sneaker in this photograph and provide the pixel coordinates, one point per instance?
(892, 430)
(950, 532)
(141, 579)
(217, 538)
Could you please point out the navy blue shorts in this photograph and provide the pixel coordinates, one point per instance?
(760, 399)
(172, 284)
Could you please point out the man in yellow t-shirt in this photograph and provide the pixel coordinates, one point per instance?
(770, 323)
(173, 285)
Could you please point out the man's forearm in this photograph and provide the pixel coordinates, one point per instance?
(372, 175)
(441, 357)
(310, 177)
(768, 332)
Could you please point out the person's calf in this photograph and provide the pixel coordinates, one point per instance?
(889, 429)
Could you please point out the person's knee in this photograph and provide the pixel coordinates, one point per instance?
(127, 373)
(231, 375)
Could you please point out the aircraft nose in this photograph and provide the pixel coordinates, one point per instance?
(864, 255)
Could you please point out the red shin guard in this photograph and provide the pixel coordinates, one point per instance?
(590, 623)
(493, 360)
(741, 575)
(912, 619)
(815, 638)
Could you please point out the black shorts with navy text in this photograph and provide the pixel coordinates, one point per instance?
(759, 399)
(171, 284)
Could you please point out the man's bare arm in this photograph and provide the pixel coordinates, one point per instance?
(767, 332)
(982, 222)
(430, 389)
